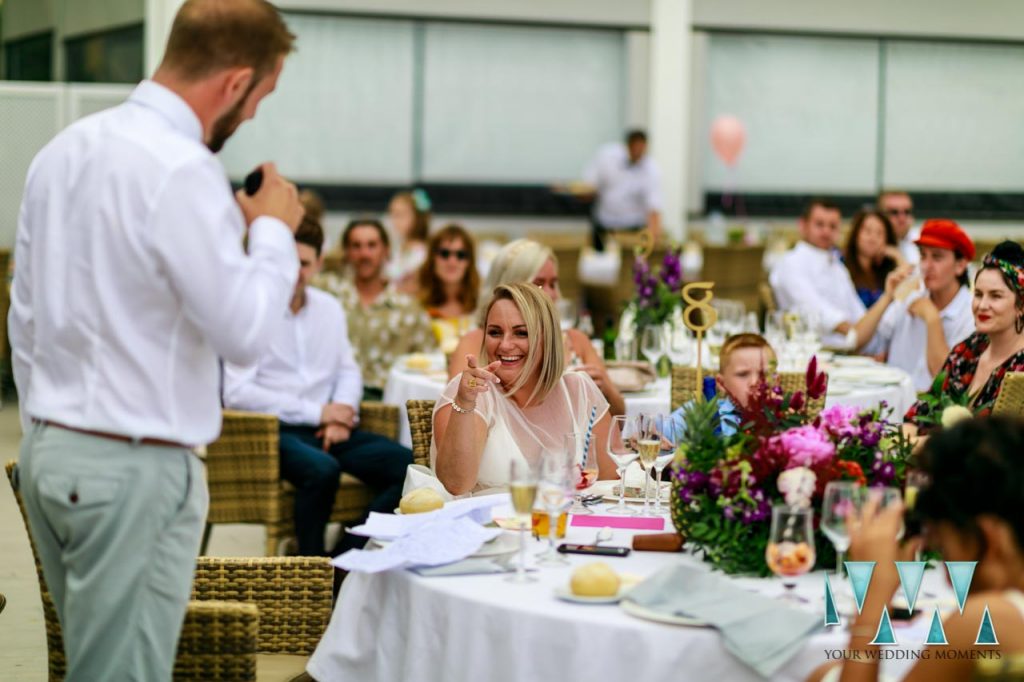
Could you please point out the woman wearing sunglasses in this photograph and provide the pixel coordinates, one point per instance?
(449, 284)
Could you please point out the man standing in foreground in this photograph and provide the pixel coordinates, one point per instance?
(131, 282)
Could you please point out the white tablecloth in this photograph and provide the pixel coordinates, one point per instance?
(844, 389)
(399, 626)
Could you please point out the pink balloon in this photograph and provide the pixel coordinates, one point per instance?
(727, 138)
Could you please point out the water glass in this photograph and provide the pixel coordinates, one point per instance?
(566, 313)
(622, 441)
(652, 344)
(523, 487)
(680, 349)
(554, 490)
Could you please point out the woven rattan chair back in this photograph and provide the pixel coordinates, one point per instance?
(1010, 401)
(421, 427)
(684, 385)
(792, 382)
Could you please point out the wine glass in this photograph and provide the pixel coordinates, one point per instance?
(652, 344)
(648, 447)
(840, 499)
(554, 490)
(622, 438)
(680, 347)
(523, 487)
(566, 313)
(668, 436)
(887, 497)
(790, 550)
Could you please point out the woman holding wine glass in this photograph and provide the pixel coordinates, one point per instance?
(517, 401)
(970, 512)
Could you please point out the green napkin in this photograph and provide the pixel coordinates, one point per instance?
(762, 632)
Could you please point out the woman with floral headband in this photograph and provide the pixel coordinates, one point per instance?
(976, 366)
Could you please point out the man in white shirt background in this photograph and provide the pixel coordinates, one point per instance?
(898, 207)
(811, 279)
(627, 186)
(131, 282)
(916, 334)
(310, 380)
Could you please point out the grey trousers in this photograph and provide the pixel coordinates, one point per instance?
(117, 527)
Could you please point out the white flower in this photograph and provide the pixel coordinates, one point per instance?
(797, 486)
(953, 414)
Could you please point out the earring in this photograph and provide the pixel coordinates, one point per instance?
(1018, 324)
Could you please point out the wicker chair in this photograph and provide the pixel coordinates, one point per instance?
(684, 386)
(421, 427)
(244, 479)
(240, 608)
(1007, 668)
(1010, 401)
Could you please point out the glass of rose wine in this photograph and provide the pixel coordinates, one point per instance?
(790, 550)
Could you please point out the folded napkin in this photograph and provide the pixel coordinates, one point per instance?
(438, 542)
(392, 526)
(761, 632)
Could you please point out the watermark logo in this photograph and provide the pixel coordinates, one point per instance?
(911, 574)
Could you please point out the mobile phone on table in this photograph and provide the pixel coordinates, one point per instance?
(596, 550)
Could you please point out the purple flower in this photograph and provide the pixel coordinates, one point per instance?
(807, 446)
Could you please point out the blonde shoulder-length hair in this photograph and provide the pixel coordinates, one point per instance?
(517, 261)
(545, 358)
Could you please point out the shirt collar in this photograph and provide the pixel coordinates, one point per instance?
(954, 308)
(814, 252)
(170, 105)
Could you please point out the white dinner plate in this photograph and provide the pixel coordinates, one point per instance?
(565, 594)
(634, 609)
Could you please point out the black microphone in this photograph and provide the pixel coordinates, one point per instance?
(253, 181)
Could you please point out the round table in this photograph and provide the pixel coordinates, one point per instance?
(402, 626)
(860, 382)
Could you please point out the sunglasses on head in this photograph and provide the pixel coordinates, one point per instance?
(900, 211)
(448, 253)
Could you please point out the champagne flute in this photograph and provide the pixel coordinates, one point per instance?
(523, 486)
(554, 490)
(840, 498)
(652, 344)
(648, 447)
(622, 438)
(668, 436)
(790, 550)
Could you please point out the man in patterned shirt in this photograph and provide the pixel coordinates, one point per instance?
(382, 323)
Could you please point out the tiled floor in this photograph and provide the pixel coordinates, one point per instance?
(22, 637)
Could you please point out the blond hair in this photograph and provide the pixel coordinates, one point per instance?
(545, 358)
(517, 261)
(739, 341)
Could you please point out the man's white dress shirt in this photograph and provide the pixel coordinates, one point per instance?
(905, 336)
(908, 248)
(309, 364)
(809, 279)
(131, 280)
(626, 192)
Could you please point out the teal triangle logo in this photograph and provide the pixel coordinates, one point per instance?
(986, 631)
(911, 574)
(960, 575)
(885, 635)
(936, 634)
(831, 612)
(860, 577)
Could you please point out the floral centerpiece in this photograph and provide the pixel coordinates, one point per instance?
(723, 488)
(657, 296)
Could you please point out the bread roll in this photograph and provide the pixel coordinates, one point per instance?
(421, 500)
(594, 580)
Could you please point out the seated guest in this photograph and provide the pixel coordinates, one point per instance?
(971, 512)
(409, 217)
(382, 323)
(517, 401)
(810, 278)
(524, 260)
(743, 361)
(898, 207)
(917, 333)
(871, 254)
(310, 381)
(449, 283)
(976, 365)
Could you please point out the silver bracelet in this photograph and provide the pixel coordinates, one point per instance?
(462, 410)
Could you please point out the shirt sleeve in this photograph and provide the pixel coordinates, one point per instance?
(653, 193)
(242, 391)
(348, 387)
(795, 289)
(21, 323)
(234, 299)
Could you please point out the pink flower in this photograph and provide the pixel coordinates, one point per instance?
(807, 446)
(841, 420)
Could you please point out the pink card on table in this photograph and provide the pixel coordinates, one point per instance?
(629, 522)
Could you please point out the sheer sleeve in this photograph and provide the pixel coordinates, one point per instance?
(584, 396)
